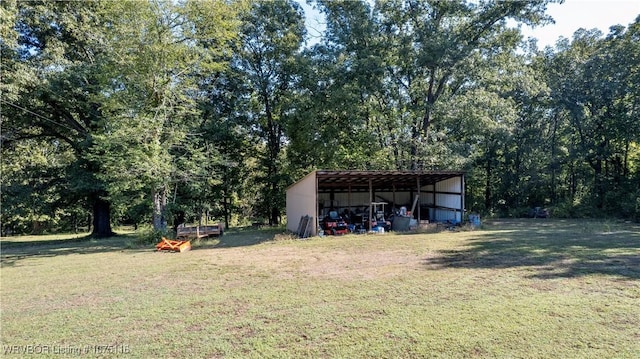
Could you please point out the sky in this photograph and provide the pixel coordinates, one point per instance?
(569, 17)
(588, 14)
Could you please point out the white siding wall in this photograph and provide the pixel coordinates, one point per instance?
(450, 185)
(449, 200)
(301, 201)
(358, 200)
(361, 199)
(341, 199)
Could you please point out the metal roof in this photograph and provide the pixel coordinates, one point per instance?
(380, 180)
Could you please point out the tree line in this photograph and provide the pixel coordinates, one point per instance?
(163, 111)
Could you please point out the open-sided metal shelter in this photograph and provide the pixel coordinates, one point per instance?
(438, 195)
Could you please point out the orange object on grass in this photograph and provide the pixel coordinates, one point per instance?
(171, 245)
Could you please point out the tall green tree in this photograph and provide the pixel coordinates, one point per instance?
(344, 110)
(272, 36)
(159, 50)
(593, 82)
(49, 83)
(397, 62)
(432, 45)
(494, 126)
(225, 126)
(36, 192)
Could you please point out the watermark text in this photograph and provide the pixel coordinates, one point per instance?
(38, 349)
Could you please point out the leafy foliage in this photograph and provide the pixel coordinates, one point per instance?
(165, 112)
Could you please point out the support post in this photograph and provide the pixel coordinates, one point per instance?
(435, 204)
(317, 219)
(462, 199)
(370, 203)
(394, 199)
(419, 217)
(349, 203)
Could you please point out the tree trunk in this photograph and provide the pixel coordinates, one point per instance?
(490, 155)
(90, 222)
(625, 164)
(225, 205)
(273, 130)
(487, 190)
(415, 138)
(573, 181)
(159, 197)
(225, 198)
(101, 218)
(179, 219)
(599, 183)
(554, 192)
(274, 218)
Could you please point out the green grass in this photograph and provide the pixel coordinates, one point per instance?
(517, 288)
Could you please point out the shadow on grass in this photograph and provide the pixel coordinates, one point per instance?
(551, 249)
(240, 237)
(15, 250)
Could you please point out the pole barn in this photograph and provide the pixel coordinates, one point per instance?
(436, 196)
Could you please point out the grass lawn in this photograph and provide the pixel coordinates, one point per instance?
(517, 288)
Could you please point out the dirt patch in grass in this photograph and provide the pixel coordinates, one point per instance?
(292, 261)
(368, 265)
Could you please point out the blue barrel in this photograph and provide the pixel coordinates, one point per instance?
(474, 219)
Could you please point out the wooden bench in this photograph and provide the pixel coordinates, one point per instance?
(200, 231)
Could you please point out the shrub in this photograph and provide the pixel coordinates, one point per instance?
(148, 236)
(622, 204)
